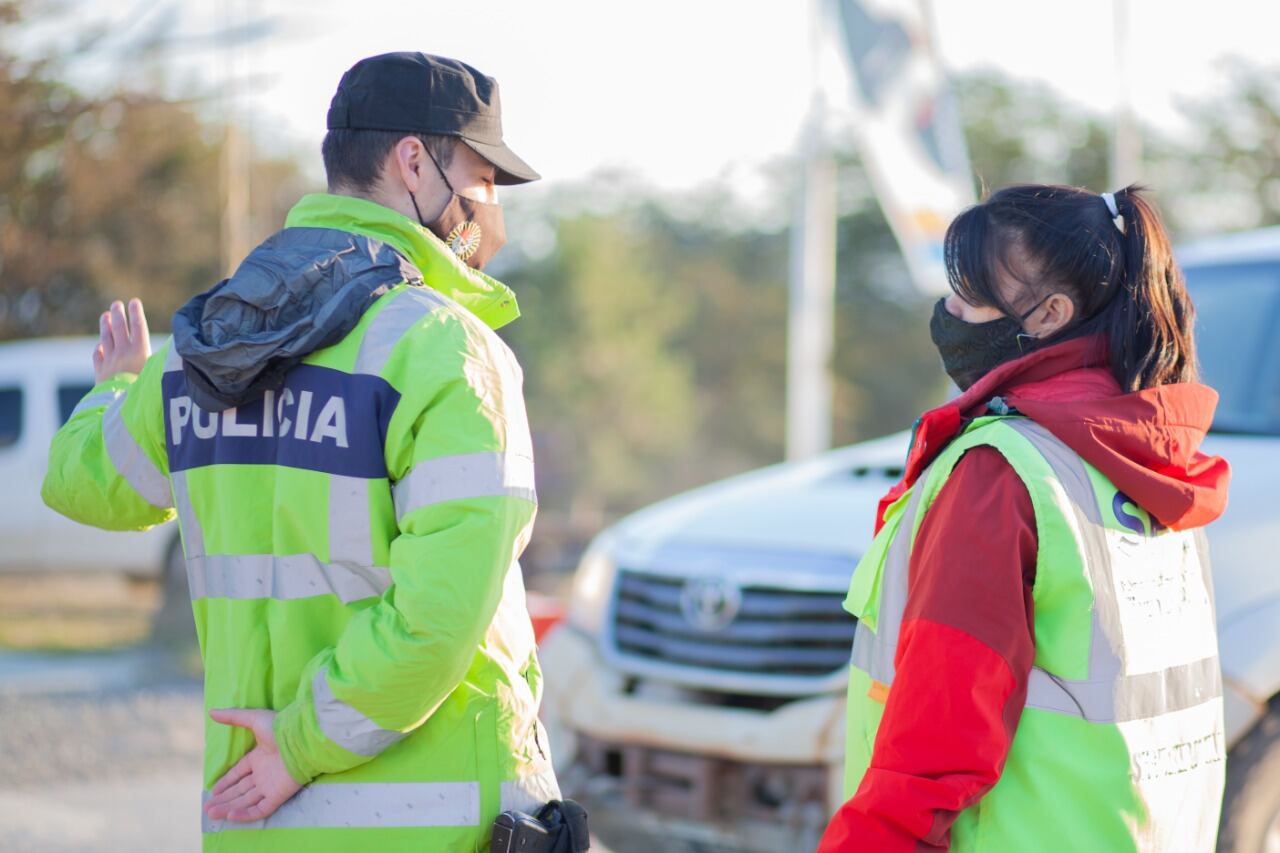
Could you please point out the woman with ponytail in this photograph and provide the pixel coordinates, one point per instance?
(1035, 665)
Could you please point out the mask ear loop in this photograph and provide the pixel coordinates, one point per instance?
(443, 177)
(1022, 319)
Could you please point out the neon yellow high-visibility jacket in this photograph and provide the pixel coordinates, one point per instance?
(351, 539)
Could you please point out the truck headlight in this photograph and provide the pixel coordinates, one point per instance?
(592, 584)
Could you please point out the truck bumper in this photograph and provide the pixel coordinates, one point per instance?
(651, 758)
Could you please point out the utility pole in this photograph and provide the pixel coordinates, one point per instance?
(810, 321)
(810, 318)
(234, 162)
(1126, 138)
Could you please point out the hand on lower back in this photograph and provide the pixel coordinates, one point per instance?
(259, 783)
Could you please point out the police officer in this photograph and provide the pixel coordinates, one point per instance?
(342, 438)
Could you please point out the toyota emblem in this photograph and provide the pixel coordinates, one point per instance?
(710, 603)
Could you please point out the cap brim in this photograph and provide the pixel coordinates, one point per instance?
(511, 169)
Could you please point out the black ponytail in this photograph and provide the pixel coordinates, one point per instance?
(1127, 289)
(1149, 329)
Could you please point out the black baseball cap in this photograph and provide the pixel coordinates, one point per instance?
(415, 92)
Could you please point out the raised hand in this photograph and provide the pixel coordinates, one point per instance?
(123, 344)
(259, 783)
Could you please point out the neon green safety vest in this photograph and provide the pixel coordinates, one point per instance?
(1120, 745)
(351, 543)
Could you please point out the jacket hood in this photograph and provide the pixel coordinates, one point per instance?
(306, 288)
(1146, 442)
(301, 290)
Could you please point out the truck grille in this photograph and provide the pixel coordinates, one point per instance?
(775, 631)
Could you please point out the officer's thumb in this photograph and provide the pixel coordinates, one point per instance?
(257, 721)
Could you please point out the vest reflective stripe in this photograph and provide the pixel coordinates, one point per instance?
(1128, 697)
(395, 804)
(472, 475)
(102, 398)
(392, 322)
(346, 726)
(350, 536)
(1109, 694)
(369, 805)
(253, 576)
(192, 532)
(873, 652)
(131, 461)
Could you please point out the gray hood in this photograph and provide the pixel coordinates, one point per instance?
(302, 290)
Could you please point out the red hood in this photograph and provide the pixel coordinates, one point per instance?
(1147, 442)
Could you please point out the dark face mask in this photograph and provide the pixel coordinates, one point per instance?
(473, 230)
(970, 350)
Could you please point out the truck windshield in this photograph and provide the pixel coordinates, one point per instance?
(1237, 316)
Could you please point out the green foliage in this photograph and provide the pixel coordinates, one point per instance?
(886, 368)
(1024, 133)
(609, 394)
(654, 348)
(107, 196)
(1225, 173)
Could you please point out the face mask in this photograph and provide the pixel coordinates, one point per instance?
(473, 230)
(970, 350)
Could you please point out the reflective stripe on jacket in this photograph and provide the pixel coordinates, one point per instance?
(352, 540)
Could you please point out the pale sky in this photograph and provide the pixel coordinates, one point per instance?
(680, 92)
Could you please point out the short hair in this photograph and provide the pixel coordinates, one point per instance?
(353, 159)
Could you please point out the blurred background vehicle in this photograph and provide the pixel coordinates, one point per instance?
(698, 686)
(41, 381)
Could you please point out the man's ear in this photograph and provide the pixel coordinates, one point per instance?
(1054, 315)
(407, 157)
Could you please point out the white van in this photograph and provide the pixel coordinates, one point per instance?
(697, 688)
(41, 381)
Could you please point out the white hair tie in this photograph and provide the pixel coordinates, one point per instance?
(1116, 218)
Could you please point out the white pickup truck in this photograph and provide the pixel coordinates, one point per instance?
(696, 690)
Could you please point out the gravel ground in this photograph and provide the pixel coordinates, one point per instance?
(104, 737)
(107, 771)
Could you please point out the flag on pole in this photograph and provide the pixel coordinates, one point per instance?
(910, 137)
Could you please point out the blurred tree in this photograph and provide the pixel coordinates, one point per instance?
(106, 196)
(1225, 173)
(654, 345)
(611, 396)
(887, 370)
(734, 340)
(1021, 132)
